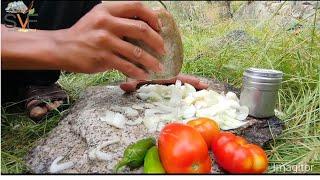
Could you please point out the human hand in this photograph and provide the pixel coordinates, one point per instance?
(95, 43)
(134, 85)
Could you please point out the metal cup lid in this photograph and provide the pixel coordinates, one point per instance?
(263, 75)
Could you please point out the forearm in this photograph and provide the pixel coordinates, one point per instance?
(29, 50)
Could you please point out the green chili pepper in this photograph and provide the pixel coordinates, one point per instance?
(152, 163)
(134, 154)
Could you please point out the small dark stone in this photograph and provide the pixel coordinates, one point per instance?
(263, 130)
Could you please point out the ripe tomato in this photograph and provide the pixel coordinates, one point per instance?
(183, 150)
(235, 155)
(208, 129)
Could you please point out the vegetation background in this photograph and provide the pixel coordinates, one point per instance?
(218, 45)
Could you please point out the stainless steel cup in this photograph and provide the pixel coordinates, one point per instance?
(260, 91)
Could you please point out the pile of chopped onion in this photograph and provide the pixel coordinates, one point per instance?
(178, 103)
(182, 103)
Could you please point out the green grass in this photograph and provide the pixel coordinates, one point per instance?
(298, 56)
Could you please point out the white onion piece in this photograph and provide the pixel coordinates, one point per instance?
(162, 107)
(176, 94)
(227, 125)
(232, 96)
(135, 122)
(114, 119)
(151, 123)
(167, 117)
(148, 106)
(143, 96)
(234, 104)
(56, 168)
(178, 83)
(187, 89)
(152, 112)
(212, 98)
(151, 96)
(231, 112)
(243, 112)
(137, 107)
(212, 110)
(200, 104)
(217, 119)
(190, 99)
(160, 126)
(188, 112)
(98, 154)
(146, 88)
(128, 111)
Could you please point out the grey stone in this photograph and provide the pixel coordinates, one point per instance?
(80, 131)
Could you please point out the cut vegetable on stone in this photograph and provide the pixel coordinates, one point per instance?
(134, 154)
(152, 163)
(183, 102)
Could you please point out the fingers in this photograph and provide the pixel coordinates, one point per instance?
(139, 30)
(132, 86)
(137, 55)
(201, 85)
(195, 82)
(129, 86)
(183, 78)
(127, 68)
(135, 9)
(188, 79)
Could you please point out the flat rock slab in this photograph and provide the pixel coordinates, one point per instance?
(81, 131)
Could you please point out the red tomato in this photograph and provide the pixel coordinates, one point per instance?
(208, 129)
(183, 150)
(235, 155)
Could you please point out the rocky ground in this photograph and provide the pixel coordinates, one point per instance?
(283, 14)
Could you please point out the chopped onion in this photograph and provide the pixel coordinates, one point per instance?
(98, 154)
(137, 107)
(114, 119)
(151, 123)
(176, 94)
(231, 112)
(135, 122)
(128, 111)
(160, 106)
(56, 168)
(180, 102)
(243, 112)
(230, 123)
(189, 112)
(187, 89)
(232, 96)
(151, 112)
(148, 105)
